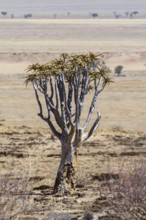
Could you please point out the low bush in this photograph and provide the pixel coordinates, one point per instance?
(14, 196)
(125, 197)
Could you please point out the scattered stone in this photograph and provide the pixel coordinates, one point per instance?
(28, 218)
(42, 187)
(105, 176)
(59, 216)
(36, 178)
(88, 216)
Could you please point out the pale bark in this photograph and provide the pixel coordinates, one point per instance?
(66, 104)
(66, 175)
(71, 135)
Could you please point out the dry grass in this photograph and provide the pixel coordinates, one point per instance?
(72, 35)
(124, 197)
(29, 157)
(33, 158)
(14, 196)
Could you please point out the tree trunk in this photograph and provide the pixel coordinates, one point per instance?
(66, 175)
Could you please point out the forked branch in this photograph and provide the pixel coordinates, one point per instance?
(93, 128)
(65, 84)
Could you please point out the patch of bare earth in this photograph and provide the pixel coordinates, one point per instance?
(28, 162)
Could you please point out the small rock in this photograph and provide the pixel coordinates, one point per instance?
(28, 218)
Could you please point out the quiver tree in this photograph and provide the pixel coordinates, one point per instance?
(65, 84)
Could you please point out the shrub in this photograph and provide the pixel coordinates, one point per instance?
(118, 70)
(4, 13)
(14, 195)
(27, 15)
(126, 196)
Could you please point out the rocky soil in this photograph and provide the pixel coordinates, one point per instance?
(29, 158)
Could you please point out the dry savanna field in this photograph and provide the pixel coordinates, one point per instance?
(111, 174)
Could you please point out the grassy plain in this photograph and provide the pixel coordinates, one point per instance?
(29, 155)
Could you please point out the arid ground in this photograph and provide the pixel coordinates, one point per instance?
(29, 153)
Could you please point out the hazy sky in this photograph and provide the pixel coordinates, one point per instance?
(73, 6)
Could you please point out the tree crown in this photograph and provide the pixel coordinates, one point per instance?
(70, 66)
(81, 73)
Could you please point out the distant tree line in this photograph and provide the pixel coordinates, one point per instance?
(117, 15)
(127, 14)
(4, 13)
(27, 15)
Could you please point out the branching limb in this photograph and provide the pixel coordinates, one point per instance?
(37, 83)
(92, 107)
(102, 88)
(71, 133)
(51, 108)
(69, 98)
(56, 93)
(83, 93)
(70, 94)
(55, 112)
(42, 84)
(82, 72)
(38, 100)
(53, 129)
(63, 103)
(49, 104)
(78, 139)
(55, 132)
(93, 128)
(52, 91)
(77, 80)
